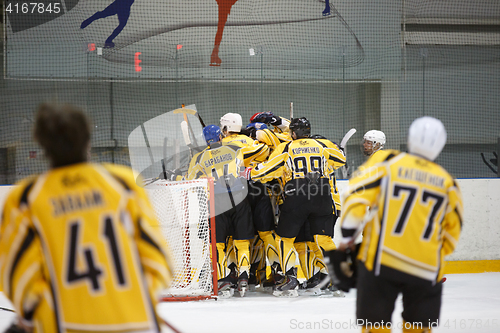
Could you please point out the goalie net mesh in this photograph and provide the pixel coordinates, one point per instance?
(182, 209)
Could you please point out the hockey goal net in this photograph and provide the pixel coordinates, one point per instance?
(183, 211)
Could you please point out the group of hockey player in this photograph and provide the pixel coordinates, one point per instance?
(287, 208)
(408, 208)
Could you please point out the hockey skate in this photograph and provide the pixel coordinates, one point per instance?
(276, 278)
(243, 283)
(256, 277)
(336, 292)
(316, 285)
(289, 286)
(227, 284)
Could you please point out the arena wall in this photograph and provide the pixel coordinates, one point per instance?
(479, 248)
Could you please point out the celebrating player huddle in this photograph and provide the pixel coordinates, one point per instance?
(276, 205)
(291, 181)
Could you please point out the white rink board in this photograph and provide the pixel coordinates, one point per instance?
(481, 227)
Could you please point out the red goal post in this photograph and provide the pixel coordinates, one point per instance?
(183, 212)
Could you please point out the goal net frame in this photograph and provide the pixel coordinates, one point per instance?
(184, 282)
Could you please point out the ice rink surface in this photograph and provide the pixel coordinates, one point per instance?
(471, 303)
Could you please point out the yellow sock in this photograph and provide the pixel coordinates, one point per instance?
(256, 250)
(286, 252)
(243, 255)
(222, 270)
(270, 249)
(325, 242)
(307, 259)
(319, 263)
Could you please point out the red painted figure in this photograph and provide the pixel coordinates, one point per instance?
(224, 11)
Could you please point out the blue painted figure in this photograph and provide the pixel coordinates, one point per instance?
(326, 12)
(117, 7)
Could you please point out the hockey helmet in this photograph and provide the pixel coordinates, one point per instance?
(301, 127)
(426, 137)
(211, 133)
(372, 141)
(231, 122)
(318, 136)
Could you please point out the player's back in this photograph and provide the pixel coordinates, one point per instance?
(216, 161)
(307, 156)
(414, 198)
(252, 150)
(82, 215)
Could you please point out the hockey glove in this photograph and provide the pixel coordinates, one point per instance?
(14, 328)
(266, 118)
(343, 268)
(253, 127)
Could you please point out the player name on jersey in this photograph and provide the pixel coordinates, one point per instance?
(421, 176)
(305, 150)
(74, 202)
(218, 159)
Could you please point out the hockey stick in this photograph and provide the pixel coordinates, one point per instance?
(343, 144)
(147, 143)
(170, 326)
(6, 309)
(164, 157)
(152, 180)
(190, 111)
(185, 134)
(346, 137)
(291, 111)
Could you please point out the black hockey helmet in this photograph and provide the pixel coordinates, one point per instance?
(318, 136)
(301, 127)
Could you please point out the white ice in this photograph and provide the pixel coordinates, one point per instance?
(471, 303)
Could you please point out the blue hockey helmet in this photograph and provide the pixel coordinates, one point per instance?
(211, 133)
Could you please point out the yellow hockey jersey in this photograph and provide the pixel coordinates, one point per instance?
(414, 216)
(272, 139)
(81, 251)
(331, 173)
(295, 159)
(217, 161)
(253, 151)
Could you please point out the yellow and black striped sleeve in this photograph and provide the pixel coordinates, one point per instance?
(274, 167)
(361, 193)
(336, 157)
(271, 139)
(21, 274)
(153, 250)
(254, 153)
(363, 190)
(195, 171)
(452, 223)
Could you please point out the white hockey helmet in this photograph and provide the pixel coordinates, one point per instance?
(377, 140)
(231, 122)
(426, 137)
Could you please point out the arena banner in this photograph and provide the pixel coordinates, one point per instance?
(123, 39)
